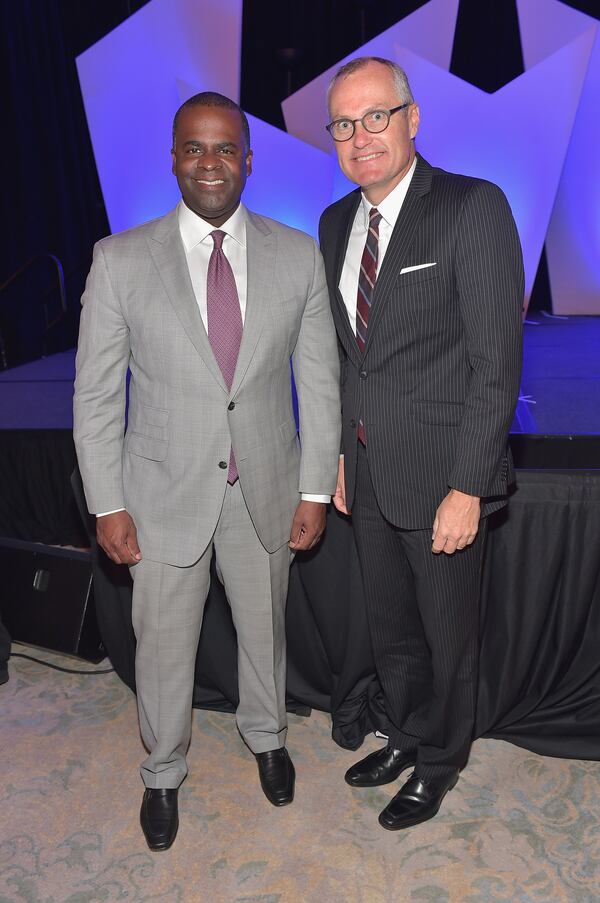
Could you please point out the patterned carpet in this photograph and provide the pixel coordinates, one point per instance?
(518, 828)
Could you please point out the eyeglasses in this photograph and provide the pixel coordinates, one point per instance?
(374, 121)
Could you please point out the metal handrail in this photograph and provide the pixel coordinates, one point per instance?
(60, 276)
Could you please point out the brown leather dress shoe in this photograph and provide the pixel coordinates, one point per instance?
(277, 776)
(380, 767)
(159, 817)
(416, 801)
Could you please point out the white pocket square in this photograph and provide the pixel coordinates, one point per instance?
(418, 266)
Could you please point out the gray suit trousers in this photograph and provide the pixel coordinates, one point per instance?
(168, 604)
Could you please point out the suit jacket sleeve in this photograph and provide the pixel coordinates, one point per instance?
(490, 285)
(341, 352)
(316, 373)
(100, 389)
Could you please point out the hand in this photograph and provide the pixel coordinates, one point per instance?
(308, 526)
(339, 499)
(117, 535)
(456, 522)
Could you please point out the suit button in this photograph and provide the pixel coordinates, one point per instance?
(353, 423)
(231, 406)
(223, 465)
(363, 374)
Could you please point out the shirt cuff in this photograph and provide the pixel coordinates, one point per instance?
(104, 513)
(323, 499)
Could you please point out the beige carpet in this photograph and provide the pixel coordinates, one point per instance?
(517, 827)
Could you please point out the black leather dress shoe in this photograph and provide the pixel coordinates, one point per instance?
(277, 776)
(416, 801)
(159, 817)
(380, 767)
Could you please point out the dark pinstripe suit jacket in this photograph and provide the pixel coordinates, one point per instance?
(438, 382)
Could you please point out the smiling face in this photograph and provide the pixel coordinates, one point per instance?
(376, 162)
(211, 161)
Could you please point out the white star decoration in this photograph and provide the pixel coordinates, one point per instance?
(536, 137)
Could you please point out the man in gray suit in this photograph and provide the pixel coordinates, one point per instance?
(206, 306)
(426, 281)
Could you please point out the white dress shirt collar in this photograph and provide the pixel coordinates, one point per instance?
(391, 204)
(194, 229)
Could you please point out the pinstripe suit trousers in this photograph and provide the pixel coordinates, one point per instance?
(423, 614)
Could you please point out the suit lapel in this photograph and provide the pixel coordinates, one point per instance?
(343, 235)
(341, 245)
(407, 223)
(261, 247)
(168, 254)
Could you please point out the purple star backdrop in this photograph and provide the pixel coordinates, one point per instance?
(537, 136)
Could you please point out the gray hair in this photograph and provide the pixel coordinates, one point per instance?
(399, 75)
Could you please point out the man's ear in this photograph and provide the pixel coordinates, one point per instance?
(413, 119)
(249, 163)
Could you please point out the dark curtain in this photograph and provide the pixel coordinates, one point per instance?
(36, 501)
(540, 627)
(539, 683)
(540, 642)
(330, 664)
(51, 198)
(4, 647)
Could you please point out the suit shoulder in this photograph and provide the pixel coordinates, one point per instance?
(287, 234)
(341, 207)
(479, 209)
(462, 186)
(130, 237)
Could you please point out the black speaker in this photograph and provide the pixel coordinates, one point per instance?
(46, 598)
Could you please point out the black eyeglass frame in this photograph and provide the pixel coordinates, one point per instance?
(361, 119)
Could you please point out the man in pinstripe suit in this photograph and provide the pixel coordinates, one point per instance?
(426, 282)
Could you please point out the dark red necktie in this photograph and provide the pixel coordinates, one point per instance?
(224, 319)
(366, 286)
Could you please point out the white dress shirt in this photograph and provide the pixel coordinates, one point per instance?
(390, 209)
(195, 234)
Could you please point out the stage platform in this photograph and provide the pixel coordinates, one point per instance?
(38, 395)
(557, 423)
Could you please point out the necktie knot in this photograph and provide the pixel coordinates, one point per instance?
(217, 236)
(374, 218)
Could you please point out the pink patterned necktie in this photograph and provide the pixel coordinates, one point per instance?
(224, 319)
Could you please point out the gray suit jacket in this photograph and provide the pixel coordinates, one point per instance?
(438, 381)
(139, 311)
